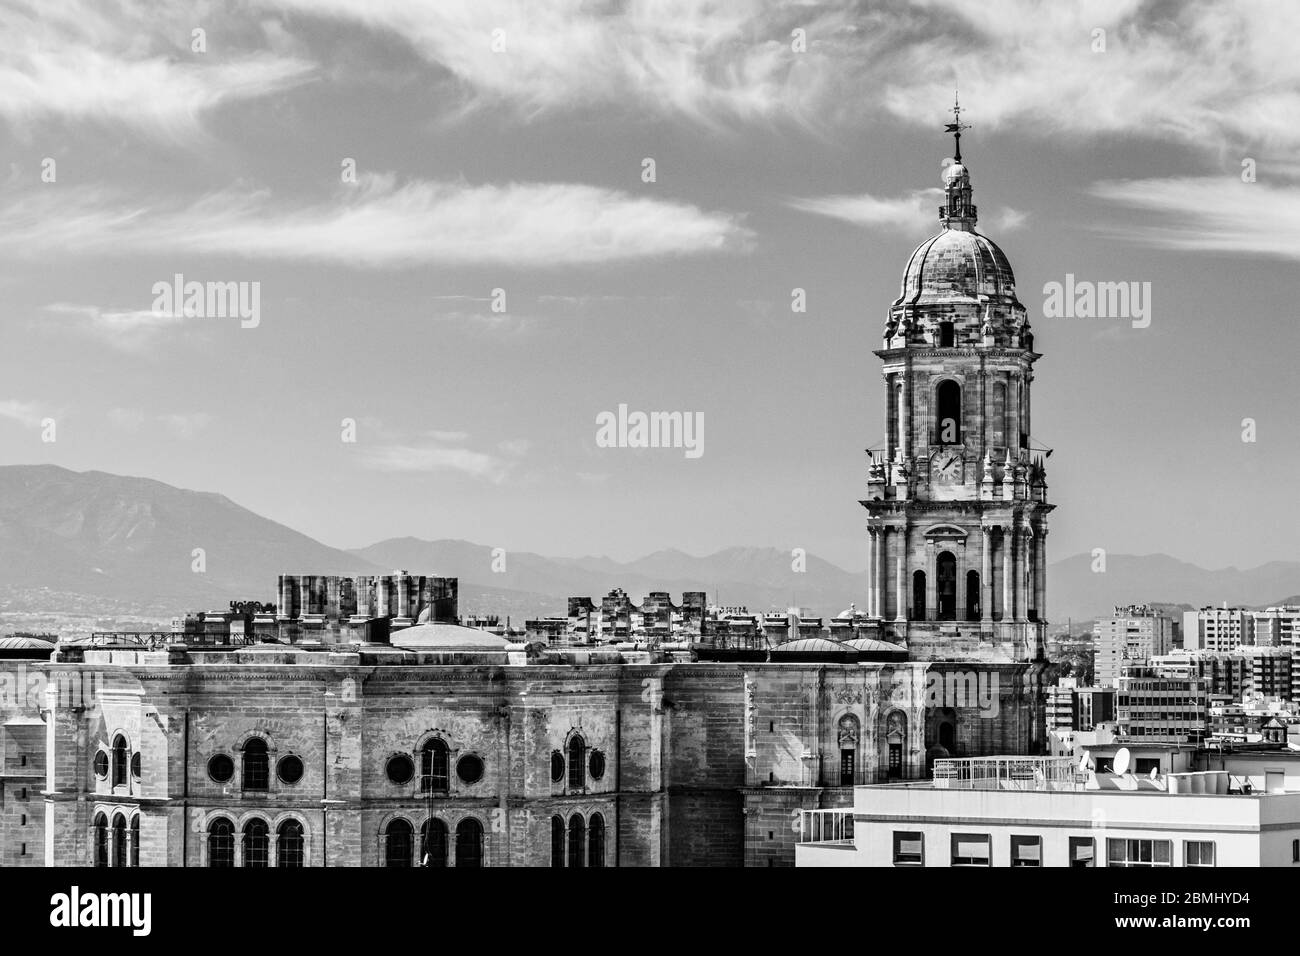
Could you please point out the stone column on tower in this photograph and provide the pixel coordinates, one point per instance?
(1008, 572)
(931, 584)
(286, 596)
(872, 558)
(361, 585)
(882, 570)
(403, 615)
(986, 575)
(900, 569)
(1022, 572)
(1041, 577)
(305, 603)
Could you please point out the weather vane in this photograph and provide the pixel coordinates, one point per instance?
(956, 126)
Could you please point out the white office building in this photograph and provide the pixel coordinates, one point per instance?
(1045, 811)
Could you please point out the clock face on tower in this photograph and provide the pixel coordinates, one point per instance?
(946, 467)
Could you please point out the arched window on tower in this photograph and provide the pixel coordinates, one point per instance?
(101, 840)
(434, 763)
(557, 841)
(972, 595)
(577, 762)
(257, 765)
(120, 760)
(257, 844)
(577, 841)
(997, 415)
(119, 840)
(946, 586)
(947, 418)
(918, 596)
(433, 838)
(397, 843)
(221, 844)
(135, 840)
(289, 845)
(596, 841)
(469, 843)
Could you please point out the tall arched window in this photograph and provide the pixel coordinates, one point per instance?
(469, 843)
(946, 586)
(433, 843)
(398, 843)
(998, 413)
(257, 765)
(119, 840)
(135, 840)
(221, 844)
(947, 418)
(101, 840)
(289, 845)
(972, 595)
(434, 776)
(121, 758)
(596, 841)
(257, 844)
(918, 595)
(577, 762)
(557, 841)
(577, 840)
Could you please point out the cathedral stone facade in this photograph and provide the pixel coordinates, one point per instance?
(361, 726)
(957, 497)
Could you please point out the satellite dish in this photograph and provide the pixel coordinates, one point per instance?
(1122, 760)
(1084, 760)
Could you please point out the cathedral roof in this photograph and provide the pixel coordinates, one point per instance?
(957, 265)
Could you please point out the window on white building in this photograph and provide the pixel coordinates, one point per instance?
(1138, 853)
(1026, 850)
(971, 849)
(909, 848)
(1083, 851)
(1198, 853)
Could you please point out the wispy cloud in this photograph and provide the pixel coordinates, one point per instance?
(447, 451)
(1217, 214)
(914, 212)
(22, 412)
(131, 63)
(179, 424)
(127, 330)
(377, 223)
(1025, 63)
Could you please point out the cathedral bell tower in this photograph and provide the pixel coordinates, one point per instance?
(956, 499)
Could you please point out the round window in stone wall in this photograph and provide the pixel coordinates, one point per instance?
(221, 768)
(135, 765)
(557, 766)
(597, 765)
(101, 765)
(289, 769)
(469, 768)
(400, 769)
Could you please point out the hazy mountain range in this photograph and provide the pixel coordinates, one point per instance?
(127, 541)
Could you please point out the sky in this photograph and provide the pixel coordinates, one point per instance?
(447, 215)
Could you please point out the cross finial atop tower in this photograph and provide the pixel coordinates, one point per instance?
(956, 126)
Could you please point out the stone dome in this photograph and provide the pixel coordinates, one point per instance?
(957, 264)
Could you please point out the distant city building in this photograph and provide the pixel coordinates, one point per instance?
(1021, 811)
(1133, 634)
(1218, 628)
(1277, 626)
(1161, 704)
(1074, 708)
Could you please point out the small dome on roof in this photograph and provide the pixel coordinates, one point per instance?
(871, 645)
(438, 637)
(804, 645)
(955, 172)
